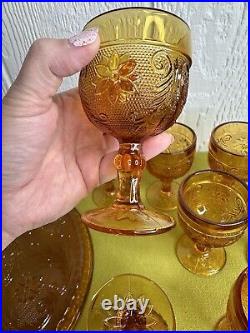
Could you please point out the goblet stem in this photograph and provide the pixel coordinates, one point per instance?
(129, 163)
(127, 215)
(166, 186)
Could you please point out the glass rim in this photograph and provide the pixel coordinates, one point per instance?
(192, 144)
(139, 7)
(237, 300)
(215, 143)
(186, 208)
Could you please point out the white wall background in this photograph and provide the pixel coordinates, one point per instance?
(218, 82)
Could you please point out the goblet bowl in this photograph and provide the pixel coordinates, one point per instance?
(228, 148)
(171, 164)
(212, 211)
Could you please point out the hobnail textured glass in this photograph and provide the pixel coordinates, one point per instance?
(135, 87)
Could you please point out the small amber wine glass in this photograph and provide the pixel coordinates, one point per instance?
(228, 149)
(173, 163)
(236, 318)
(212, 210)
(135, 303)
(134, 88)
(104, 195)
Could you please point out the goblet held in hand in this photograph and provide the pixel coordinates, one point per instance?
(135, 87)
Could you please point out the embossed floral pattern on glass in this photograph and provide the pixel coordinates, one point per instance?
(134, 88)
(116, 76)
(228, 148)
(212, 211)
(131, 289)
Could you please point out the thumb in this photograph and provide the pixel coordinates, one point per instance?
(50, 60)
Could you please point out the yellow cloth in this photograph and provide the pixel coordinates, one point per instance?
(198, 302)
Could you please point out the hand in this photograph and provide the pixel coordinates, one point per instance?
(52, 155)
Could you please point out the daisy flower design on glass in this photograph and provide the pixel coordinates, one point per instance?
(115, 77)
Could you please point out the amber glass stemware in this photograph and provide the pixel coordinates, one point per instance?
(228, 149)
(104, 195)
(212, 210)
(127, 313)
(135, 87)
(173, 163)
(236, 318)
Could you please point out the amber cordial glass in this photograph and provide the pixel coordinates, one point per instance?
(104, 195)
(135, 304)
(236, 318)
(173, 163)
(134, 88)
(228, 149)
(212, 210)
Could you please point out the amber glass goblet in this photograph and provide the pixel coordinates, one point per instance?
(236, 318)
(173, 163)
(228, 149)
(128, 314)
(212, 210)
(104, 195)
(135, 87)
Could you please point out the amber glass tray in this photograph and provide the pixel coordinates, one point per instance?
(46, 276)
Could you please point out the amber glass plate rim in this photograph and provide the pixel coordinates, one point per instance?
(237, 299)
(85, 284)
(74, 306)
(185, 207)
(215, 143)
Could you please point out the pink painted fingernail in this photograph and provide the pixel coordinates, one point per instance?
(85, 37)
(171, 138)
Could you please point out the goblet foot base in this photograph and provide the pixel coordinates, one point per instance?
(127, 221)
(223, 325)
(102, 197)
(198, 262)
(163, 201)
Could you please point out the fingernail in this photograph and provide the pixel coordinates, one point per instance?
(171, 138)
(85, 37)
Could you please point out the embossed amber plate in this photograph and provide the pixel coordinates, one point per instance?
(46, 276)
(136, 304)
